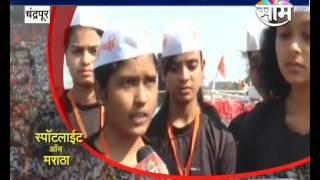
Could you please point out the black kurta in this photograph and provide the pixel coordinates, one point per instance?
(215, 148)
(263, 139)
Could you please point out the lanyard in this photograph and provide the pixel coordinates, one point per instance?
(103, 143)
(77, 116)
(102, 137)
(184, 171)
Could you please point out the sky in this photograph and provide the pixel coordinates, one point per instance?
(222, 31)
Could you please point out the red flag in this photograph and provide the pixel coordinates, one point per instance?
(221, 68)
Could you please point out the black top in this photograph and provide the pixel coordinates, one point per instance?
(90, 115)
(215, 148)
(90, 141)
(263, 139)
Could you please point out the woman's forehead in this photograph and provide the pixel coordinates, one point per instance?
(137, 66)
(84, 34)
(194, 55)
(298, 19)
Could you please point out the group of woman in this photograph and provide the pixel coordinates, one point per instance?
(115, 95)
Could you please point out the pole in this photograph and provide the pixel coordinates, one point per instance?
(214, 81)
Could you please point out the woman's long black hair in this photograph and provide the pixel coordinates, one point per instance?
(274, 82)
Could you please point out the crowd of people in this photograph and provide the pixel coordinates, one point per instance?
(32, 110)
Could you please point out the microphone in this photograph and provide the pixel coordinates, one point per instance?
(150, 161)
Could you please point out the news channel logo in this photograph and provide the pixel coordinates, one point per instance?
(37, 14)
(274, 13)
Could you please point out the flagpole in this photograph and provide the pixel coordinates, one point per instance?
(216, 75)
(214, 81)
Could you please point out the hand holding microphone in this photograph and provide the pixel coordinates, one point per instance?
(150, 161)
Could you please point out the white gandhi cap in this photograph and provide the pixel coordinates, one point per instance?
(88, 17)
(179, 38)
(253, 38)
(123, 43)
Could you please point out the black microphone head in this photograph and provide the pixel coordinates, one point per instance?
(144, 152)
